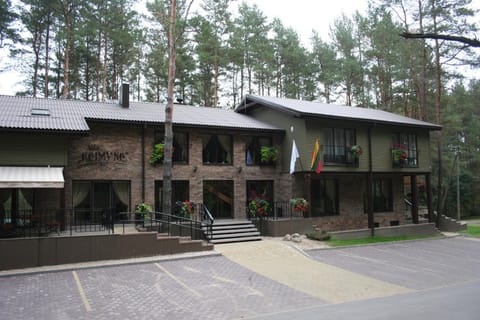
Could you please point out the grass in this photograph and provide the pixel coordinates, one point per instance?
(473, 230)
(471, 218)
(339, 243)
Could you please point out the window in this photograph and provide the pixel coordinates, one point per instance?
(92, 198)
(253, 154)
(337, 144)
(180, 192)
(260, 190)
(15, 205)
(180, 145)
(217, 149)
(218, 198)
(40, 112)
(324, 193)
(382, 196)
(404, 150)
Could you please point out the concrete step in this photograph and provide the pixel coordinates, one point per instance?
(233, 226)
(237, 230)
(184, 244)
(236, 235)
(231, 240)
(225, 231)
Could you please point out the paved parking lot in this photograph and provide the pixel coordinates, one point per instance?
(416, 265)
(201, 288)
(215, 287)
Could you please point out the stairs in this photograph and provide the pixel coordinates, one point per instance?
(451, 225)
(227, 231)
(176, 244)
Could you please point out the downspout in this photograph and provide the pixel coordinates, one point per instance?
(371, 221)
(143, 163)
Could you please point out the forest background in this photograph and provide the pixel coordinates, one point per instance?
(84, 49)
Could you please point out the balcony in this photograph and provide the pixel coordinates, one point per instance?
(402, 159)
(339, 155)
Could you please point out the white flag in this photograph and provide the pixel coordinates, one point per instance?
(294, 157)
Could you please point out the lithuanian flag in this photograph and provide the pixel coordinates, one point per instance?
(317, 163)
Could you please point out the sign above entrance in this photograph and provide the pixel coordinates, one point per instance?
(98, 156)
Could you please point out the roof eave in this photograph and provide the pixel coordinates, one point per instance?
(375, 121)
(245, 105)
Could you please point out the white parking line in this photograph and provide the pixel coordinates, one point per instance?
(180, 282)
(86, 304)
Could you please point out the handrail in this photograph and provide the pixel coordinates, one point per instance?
(408, 202)
(207, 216)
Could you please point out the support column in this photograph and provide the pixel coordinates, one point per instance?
(371, 218)
(428, 186)
(414, 192)
(308, 192)
(371, 222)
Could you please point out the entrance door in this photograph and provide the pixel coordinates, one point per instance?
(92, 200)
(180, 192)
(15, 207)
(218, 197)
(101, 201)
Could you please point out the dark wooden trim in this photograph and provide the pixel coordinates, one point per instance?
(414, 193)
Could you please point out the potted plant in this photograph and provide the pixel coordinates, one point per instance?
(356, 150)
(299, 204)
(259, 208)
(157, 153)
(268, 154)
(143, 212)
(186, 209)
(399, 153)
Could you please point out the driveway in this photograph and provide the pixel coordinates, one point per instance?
(270, 280)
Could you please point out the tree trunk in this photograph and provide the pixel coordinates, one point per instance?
(47, 50)
(423, 77)
(67, 11)
(104, 75)
(215, 79)
(167, 159)
(438, 115)
(97, 67)
(37, 39)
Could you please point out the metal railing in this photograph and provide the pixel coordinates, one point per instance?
(339, 154)
(277, 211)
(55, 221)
(68, 222)
(174, 224)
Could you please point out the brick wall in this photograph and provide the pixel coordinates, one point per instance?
(126, 140)
(123, 143)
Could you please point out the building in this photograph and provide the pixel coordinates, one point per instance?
(62, 156)
(369, 157)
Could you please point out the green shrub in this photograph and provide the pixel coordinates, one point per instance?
(318, 235)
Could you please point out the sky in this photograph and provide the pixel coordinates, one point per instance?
(301, 15)
(307, 15)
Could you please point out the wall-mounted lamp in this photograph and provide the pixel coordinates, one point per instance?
(195, 169)
(239, 169)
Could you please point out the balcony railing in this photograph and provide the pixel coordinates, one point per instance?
(277, 211)
(401, 159)
(339, 155)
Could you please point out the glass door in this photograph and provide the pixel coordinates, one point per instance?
(218, 197)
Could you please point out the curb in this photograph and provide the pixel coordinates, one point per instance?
(107, 263)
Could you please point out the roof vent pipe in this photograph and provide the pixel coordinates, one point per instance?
(124, 95)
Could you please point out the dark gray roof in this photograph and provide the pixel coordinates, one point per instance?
(330, 111)
(73, 115)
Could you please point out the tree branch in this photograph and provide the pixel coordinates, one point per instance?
(468, 41)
